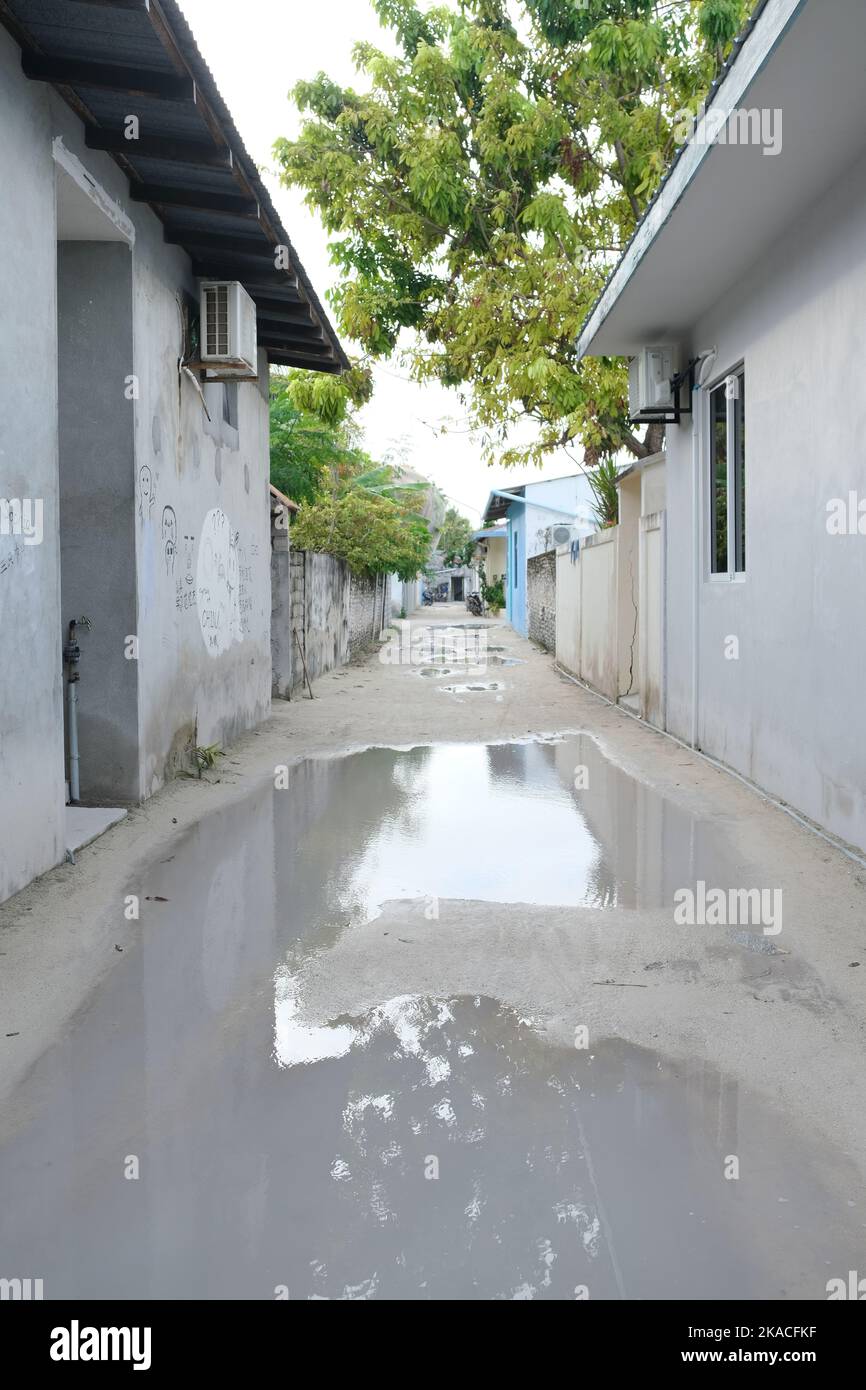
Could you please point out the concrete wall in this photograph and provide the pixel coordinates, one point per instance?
(541, 599)
(370, 611)
(568, 573)
(201, 531)
(784, 712)
(628, 587)
(31, 720)
(652, 617)
(282, 641)
(97, 510)
(586, 611)
(599, 649)
(320, 608)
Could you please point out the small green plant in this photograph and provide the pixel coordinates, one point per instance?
(206, 758)
(603, 479)
(493, 595)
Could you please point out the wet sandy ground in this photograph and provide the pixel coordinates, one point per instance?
(420, 1024)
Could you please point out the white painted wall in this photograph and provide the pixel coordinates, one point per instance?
(787, 713)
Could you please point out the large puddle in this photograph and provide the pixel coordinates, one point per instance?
(195, 1135)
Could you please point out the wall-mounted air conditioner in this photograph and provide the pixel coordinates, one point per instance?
(650, 394)
(562, 534)
(229, 343)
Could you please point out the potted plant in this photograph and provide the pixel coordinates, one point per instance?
(493, 596)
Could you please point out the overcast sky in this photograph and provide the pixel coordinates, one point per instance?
(257, 50)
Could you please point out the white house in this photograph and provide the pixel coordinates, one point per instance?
(133, 472)
(750, 267)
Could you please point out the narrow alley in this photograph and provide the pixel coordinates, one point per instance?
(395, 1003)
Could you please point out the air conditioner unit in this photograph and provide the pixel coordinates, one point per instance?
(564, 534)
(650, 395)
(229, 344)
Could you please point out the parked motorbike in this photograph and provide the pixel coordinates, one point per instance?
(427, 598)
(474, 605)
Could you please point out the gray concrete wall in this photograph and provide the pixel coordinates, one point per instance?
(318, 609)
(785, 713)
(541, 599)
(281, 612)
(370, 611)
(202, 533)
(202, 543)
(97, 522)
(31, 721)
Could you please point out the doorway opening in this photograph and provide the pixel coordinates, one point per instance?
(95, 397)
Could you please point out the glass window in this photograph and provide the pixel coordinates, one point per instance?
(740, 478)
(719, 481)
(728, 476)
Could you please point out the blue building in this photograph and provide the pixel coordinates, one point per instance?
(530, 512)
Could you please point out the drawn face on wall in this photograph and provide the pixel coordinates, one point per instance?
(145, 490)
(169, 537)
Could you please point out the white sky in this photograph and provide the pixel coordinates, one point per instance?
(257, 50)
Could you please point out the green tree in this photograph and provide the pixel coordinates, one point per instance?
(455, 543)
(481, 185)
(373, 534)
(303, 447)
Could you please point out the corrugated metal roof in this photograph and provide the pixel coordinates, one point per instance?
(98, 56)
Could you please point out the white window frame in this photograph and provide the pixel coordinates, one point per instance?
(732, 575)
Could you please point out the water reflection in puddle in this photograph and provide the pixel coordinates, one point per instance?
(427, 1147)
(473, 688)
(503, 823)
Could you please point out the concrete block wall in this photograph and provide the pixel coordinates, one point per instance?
(370, 611)
(312, 598)
(541, 599)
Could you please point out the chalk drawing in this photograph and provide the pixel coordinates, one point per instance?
(169, 536)
(217, 583)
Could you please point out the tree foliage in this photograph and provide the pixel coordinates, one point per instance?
(480, 184)
(373, 534)
(304, 448)
(455, 543)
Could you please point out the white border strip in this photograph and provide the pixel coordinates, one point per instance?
(84, 180)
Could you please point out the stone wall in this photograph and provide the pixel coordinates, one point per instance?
(541, 599)
(311, 597)
(370, 611)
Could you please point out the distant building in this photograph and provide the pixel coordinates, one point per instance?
(531, 513)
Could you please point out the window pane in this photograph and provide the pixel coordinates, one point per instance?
(719, 481)
(740, 478)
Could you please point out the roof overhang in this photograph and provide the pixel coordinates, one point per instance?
(724, 205)
(110, 59)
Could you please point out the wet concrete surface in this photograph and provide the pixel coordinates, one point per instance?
(197, 1134)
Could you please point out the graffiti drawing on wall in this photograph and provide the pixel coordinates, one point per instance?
(146, 492)
(169, 536)
(217, 583)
